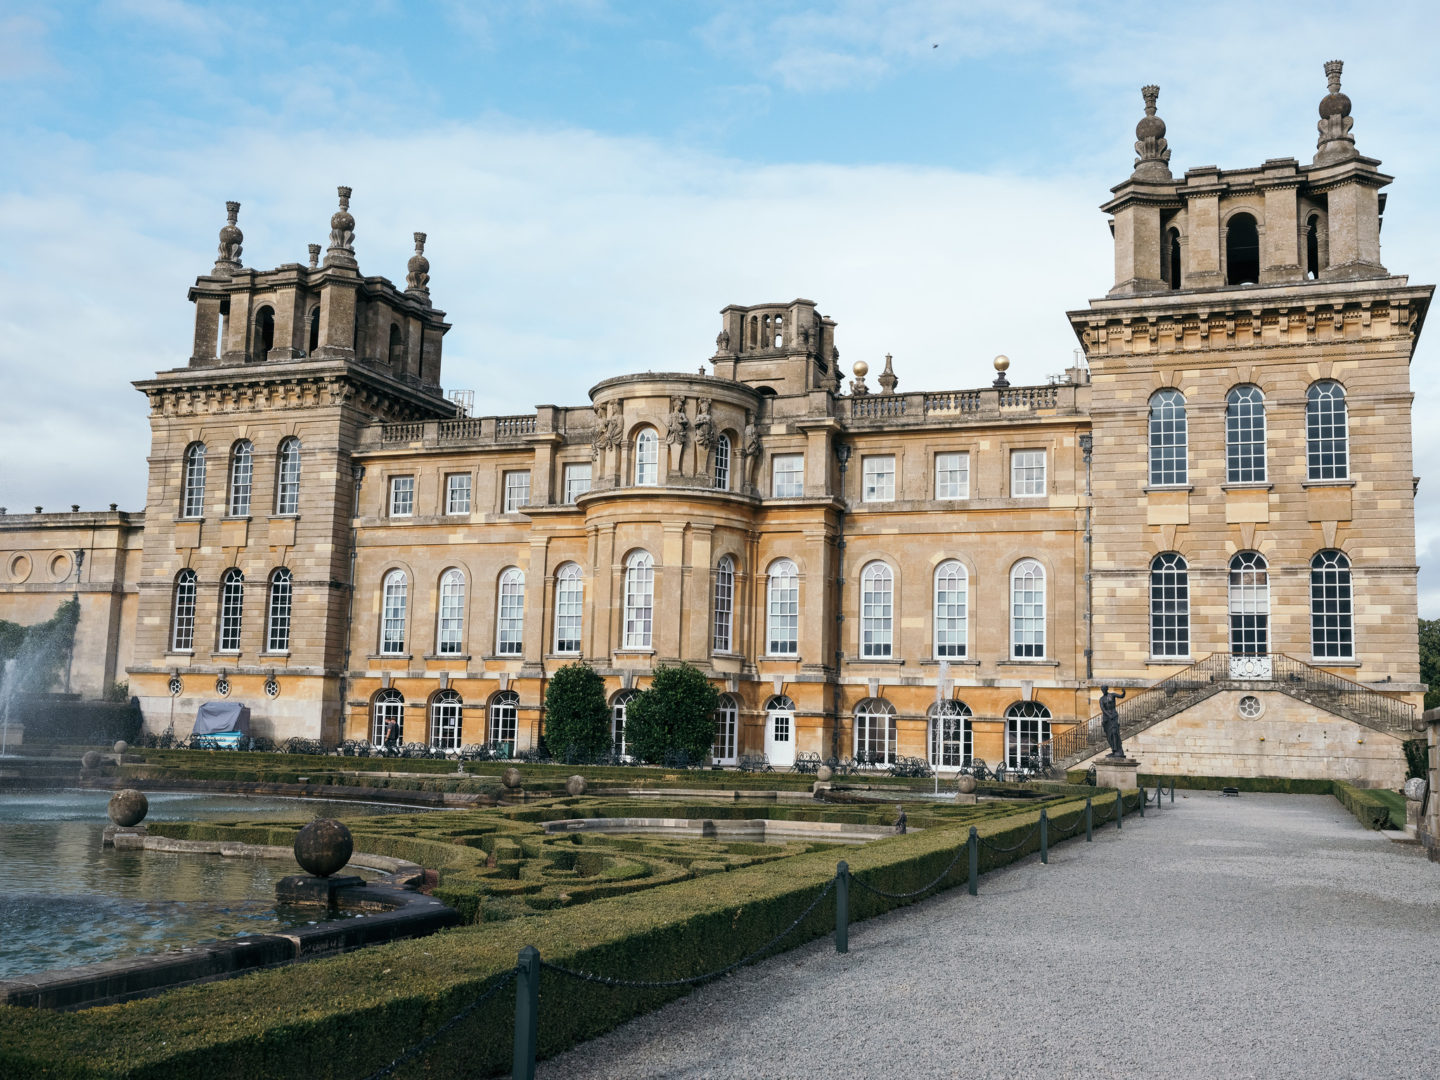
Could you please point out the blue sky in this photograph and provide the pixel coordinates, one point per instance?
(599, 179)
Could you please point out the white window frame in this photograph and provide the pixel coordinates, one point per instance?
(517, 490)
(1028, 480)
(1327, 431)
(870, 715)
(639, 625)
(787, 476)
(402, 496)
(576, 484)
(569, 609)
(724, 751)
(287, 478)
(279, 611)
(618, 705)
(192, 497)
(952, 474)
(877, 473)
(450, 614)
(1169, 436)
(395, 599)
(388, 704)
(1169, 606)
(232, 611)
(947, 751)
(723, 627)
(1027, 610)
(722, 462)
(951, 611)
(446, 718)
(510, 613)
(504, 719)
(782, 609)
(877, 611)
(1332, 607)
(242, 477)
(1027, 724)
(182, 612)
(1246, 436)
(1248, 603)
(647, 457)
(458, 492)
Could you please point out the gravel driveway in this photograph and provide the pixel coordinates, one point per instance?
(1265, 936)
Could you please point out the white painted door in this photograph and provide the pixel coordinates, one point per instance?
(780, 738)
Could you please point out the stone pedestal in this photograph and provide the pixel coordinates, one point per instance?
(1119, 773)
(304, 889)
(124, 837)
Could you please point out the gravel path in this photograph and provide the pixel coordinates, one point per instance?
(1266, 936)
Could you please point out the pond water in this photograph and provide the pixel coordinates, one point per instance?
(65, 900)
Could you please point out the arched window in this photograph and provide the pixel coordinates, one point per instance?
(724, 637)
(569, 608)
(232, 609)
(445, 711)
(397, 347)
(192, 499)
(1242, 250)
(394, 598)
(287, 477)
(1169, 606)
(1027, 727)
(639, 600)
(389, 705)
(727, 723)
(875, 736)
(617, 720)
(754, 331)
(722, 463)
(950, 735)
(1169, 438)
(1249, 604)
(505, 720)
(1312, 246)
(1245, 436)
(277, 615)
(264, 332)
(1027, 610)
(182, 613)
(450, 625)
(314, 330)
(242, 469)
(952, 598)
(1171, 265)
(1327, 432)
(877, 610)
(782, 623)
(647, 458)
(1332, 630)
(510, 614)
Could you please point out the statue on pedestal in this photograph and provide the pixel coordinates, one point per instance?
(1110, 720)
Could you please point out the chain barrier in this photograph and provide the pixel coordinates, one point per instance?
(1016, 847)
(1071, 829)
(923, 888)
(430, 1040)
(692, 980)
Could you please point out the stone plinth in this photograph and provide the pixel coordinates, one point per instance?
(124, 837)
(304, 889)
(1119, 773)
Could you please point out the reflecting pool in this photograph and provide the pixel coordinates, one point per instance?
(65, 900)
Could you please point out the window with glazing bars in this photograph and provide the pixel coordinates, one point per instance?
(242, 471)
(722, 463)
(182, 621)
(277, 624)
(875, 733)
(952, 476)
(1027, 727)
(192, 499)
(647, 458)
(639, 600)
(504, 717)
(577, 481)
(510, 621)
(950, 734)
(724, 605)
(457, 493)
(1169, 605)
(287, 487)
(1249, 603)
(569, 608)
(394, 596)
(1332, 629)
(878, 474)
(517, 491)
(787, 476)
(1027, 610)
(1245, 436)
(783, 619)
(445, 713)
(1327, 432)
(726, 722)
(402, 496)
(877, 611)
(232, 605)
(1027, 473)
(951, 600)
(451, 630)
(1169, 439)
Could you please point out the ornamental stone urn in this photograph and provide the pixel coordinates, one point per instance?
(323, 847)
(128, 808)
(575, 785)
(121, 746)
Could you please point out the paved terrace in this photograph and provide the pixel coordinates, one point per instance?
(1265, 936)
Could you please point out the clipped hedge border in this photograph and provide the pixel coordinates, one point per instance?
(345, 1017)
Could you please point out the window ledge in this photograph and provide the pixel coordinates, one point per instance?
(564, 655)
(1263, 485)
(1349, 482)
(781, 656)
(277, 652)
(727, 654)
(284, 517)
(891, 661)
(446, 656)
(179, 652)
(389, 656)
(616, 654)
(500, 657)
(1169, 661)
(1028, 663)
(182, 520)
(1330, 661)
(236, 517)
(1168, 487)
(225, 654)
(953, 661)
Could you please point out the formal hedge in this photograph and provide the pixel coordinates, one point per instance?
(343, 1018)
(50, 720)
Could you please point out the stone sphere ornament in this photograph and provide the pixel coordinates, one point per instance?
(323, 847)
(121, 746)
(128, 808)
(824, 774)
(576, 785)
(91, 760)
(1415, 789)
(511, 778)
(965, 785)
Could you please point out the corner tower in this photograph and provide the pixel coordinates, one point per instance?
(245, 587)
(1252, 466)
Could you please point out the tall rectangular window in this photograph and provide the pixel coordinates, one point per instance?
(451, 627)
(232, 600)
(787, 476)
(510, 618)
(1027, 473)
(277, 624)
(569, 608)
(287, 478)
(457, 493)
(402, 496)
(577, 481)
(952, 476)
(724, 605)
(878, 473)
(517, 491)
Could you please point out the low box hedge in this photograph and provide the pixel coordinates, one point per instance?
(345, 1017)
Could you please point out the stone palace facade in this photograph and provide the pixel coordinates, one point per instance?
(1220, 504)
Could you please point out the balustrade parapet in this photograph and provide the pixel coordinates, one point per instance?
(986, 403)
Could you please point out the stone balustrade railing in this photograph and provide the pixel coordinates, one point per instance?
(987, 403)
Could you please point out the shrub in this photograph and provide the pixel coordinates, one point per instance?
(1417, 758)
(675, 715)
(577, 720)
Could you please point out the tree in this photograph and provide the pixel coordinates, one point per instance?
(1430, 660)
(676, 712)
(577, 720)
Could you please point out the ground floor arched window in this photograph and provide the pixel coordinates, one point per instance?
(617, 720)
(445, 710)
(389, 705)
(1027, 725)
(951, 739)
(727, 723)
(875, 736)
(505, 719)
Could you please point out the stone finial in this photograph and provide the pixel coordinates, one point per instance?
(857, 384)
(1154, 160)
(887, 378)
(722, 341)
(314, 256)
(417, 270)
(1335, 142)
(1002, 365)
(227, 261)
(342, 233)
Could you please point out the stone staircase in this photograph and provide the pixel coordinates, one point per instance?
(1221, 671)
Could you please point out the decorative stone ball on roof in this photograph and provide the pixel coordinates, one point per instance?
(128, 808)
(1153, 152)
(342, 233)
(227, 259)
(323, 847)
(1335, 142)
